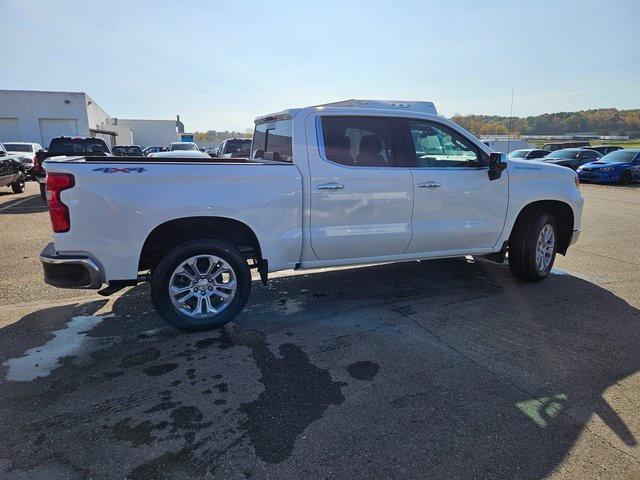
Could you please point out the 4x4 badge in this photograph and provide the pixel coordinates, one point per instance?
(120, 170)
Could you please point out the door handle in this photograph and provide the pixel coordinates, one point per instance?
(429, 185)
(330, 186)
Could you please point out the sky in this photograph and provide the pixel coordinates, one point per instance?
(221, 64)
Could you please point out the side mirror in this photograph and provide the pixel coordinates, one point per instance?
(497, 163)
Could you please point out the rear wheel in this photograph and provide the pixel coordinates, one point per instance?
(625, 178)
(533, 246)
(18, 185)
(201, 284)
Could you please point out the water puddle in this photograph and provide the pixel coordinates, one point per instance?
(71, 341)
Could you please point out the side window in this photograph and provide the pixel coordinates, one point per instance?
(537, 154)
(357, 141)
(437, 146)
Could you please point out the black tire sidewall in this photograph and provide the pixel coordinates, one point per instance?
(523, 262)
(162, 274)
(18, 185)
(626, 178)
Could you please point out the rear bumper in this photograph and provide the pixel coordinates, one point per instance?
(65, 271)
(574, 237)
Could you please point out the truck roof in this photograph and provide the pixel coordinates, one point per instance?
(415, 106)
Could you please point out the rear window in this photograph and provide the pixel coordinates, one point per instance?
(184, 146)
(564, 154)
(240, 146)
(518, 154)
(78, 146)
(18, 147)
(133, 151)
(272, 141)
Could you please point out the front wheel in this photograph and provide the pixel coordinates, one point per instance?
(201, 284)
(626, 178)
(18, 185)
(533, 247)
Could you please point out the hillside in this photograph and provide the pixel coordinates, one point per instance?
(604, 121)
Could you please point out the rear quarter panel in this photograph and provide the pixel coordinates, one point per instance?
(112, 213)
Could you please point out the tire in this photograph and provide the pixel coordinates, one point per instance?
(523, 247)
(626, 178)
(43, 191)
(18, 185)
(173, 270)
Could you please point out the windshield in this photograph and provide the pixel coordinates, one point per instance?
(563, 154)
(617, 156)
(18, 147)
(272, 141)
(184, 146)
(78, 146)
(518, 154)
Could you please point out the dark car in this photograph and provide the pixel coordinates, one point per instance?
(552, 147)
(235, 148)
(127, 151)
(68, 146)
(605, 149)
(528, 154)
(11, 171)
(572, 157)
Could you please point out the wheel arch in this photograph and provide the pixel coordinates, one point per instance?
(562, 212)
(172, 233)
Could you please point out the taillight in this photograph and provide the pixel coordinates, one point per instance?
(37, 166)
(58, 211)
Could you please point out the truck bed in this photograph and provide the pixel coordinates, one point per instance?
(117, 202)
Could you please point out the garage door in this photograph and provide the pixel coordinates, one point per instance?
(9, 130)
(57, 127)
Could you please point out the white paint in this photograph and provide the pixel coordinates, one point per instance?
(72, 340)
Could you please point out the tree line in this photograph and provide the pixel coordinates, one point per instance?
(213, 136)
(603, 121)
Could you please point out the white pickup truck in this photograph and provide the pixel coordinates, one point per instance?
(347, 183)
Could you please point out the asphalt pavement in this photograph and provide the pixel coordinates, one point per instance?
(441, 369)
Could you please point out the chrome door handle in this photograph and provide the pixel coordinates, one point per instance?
(429, 185)
(330, 186)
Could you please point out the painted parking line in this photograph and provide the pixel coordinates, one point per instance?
(17, 202)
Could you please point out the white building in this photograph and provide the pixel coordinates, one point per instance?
(38, 116)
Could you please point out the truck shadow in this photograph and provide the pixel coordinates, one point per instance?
(464, 373)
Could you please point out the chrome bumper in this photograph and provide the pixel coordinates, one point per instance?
(64, 271)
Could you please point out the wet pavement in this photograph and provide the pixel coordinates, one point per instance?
(442, 369)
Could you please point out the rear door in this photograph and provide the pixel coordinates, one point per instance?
(456, 207)
(361, 196)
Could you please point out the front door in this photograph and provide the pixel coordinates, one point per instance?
(361, 200)
(457, 209)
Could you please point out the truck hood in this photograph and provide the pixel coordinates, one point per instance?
(537, 168)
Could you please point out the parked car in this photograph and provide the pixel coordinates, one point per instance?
(180, 154)
(552, 147)
(183, 146)
(127, 151)
(605, 149)
(572, 157)
(322, 187)
(235, 148)
(26, 152)
(529, 154)
(620, 166)
(11, 171)
(154, 149)
(212, 151)
(67, 146)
